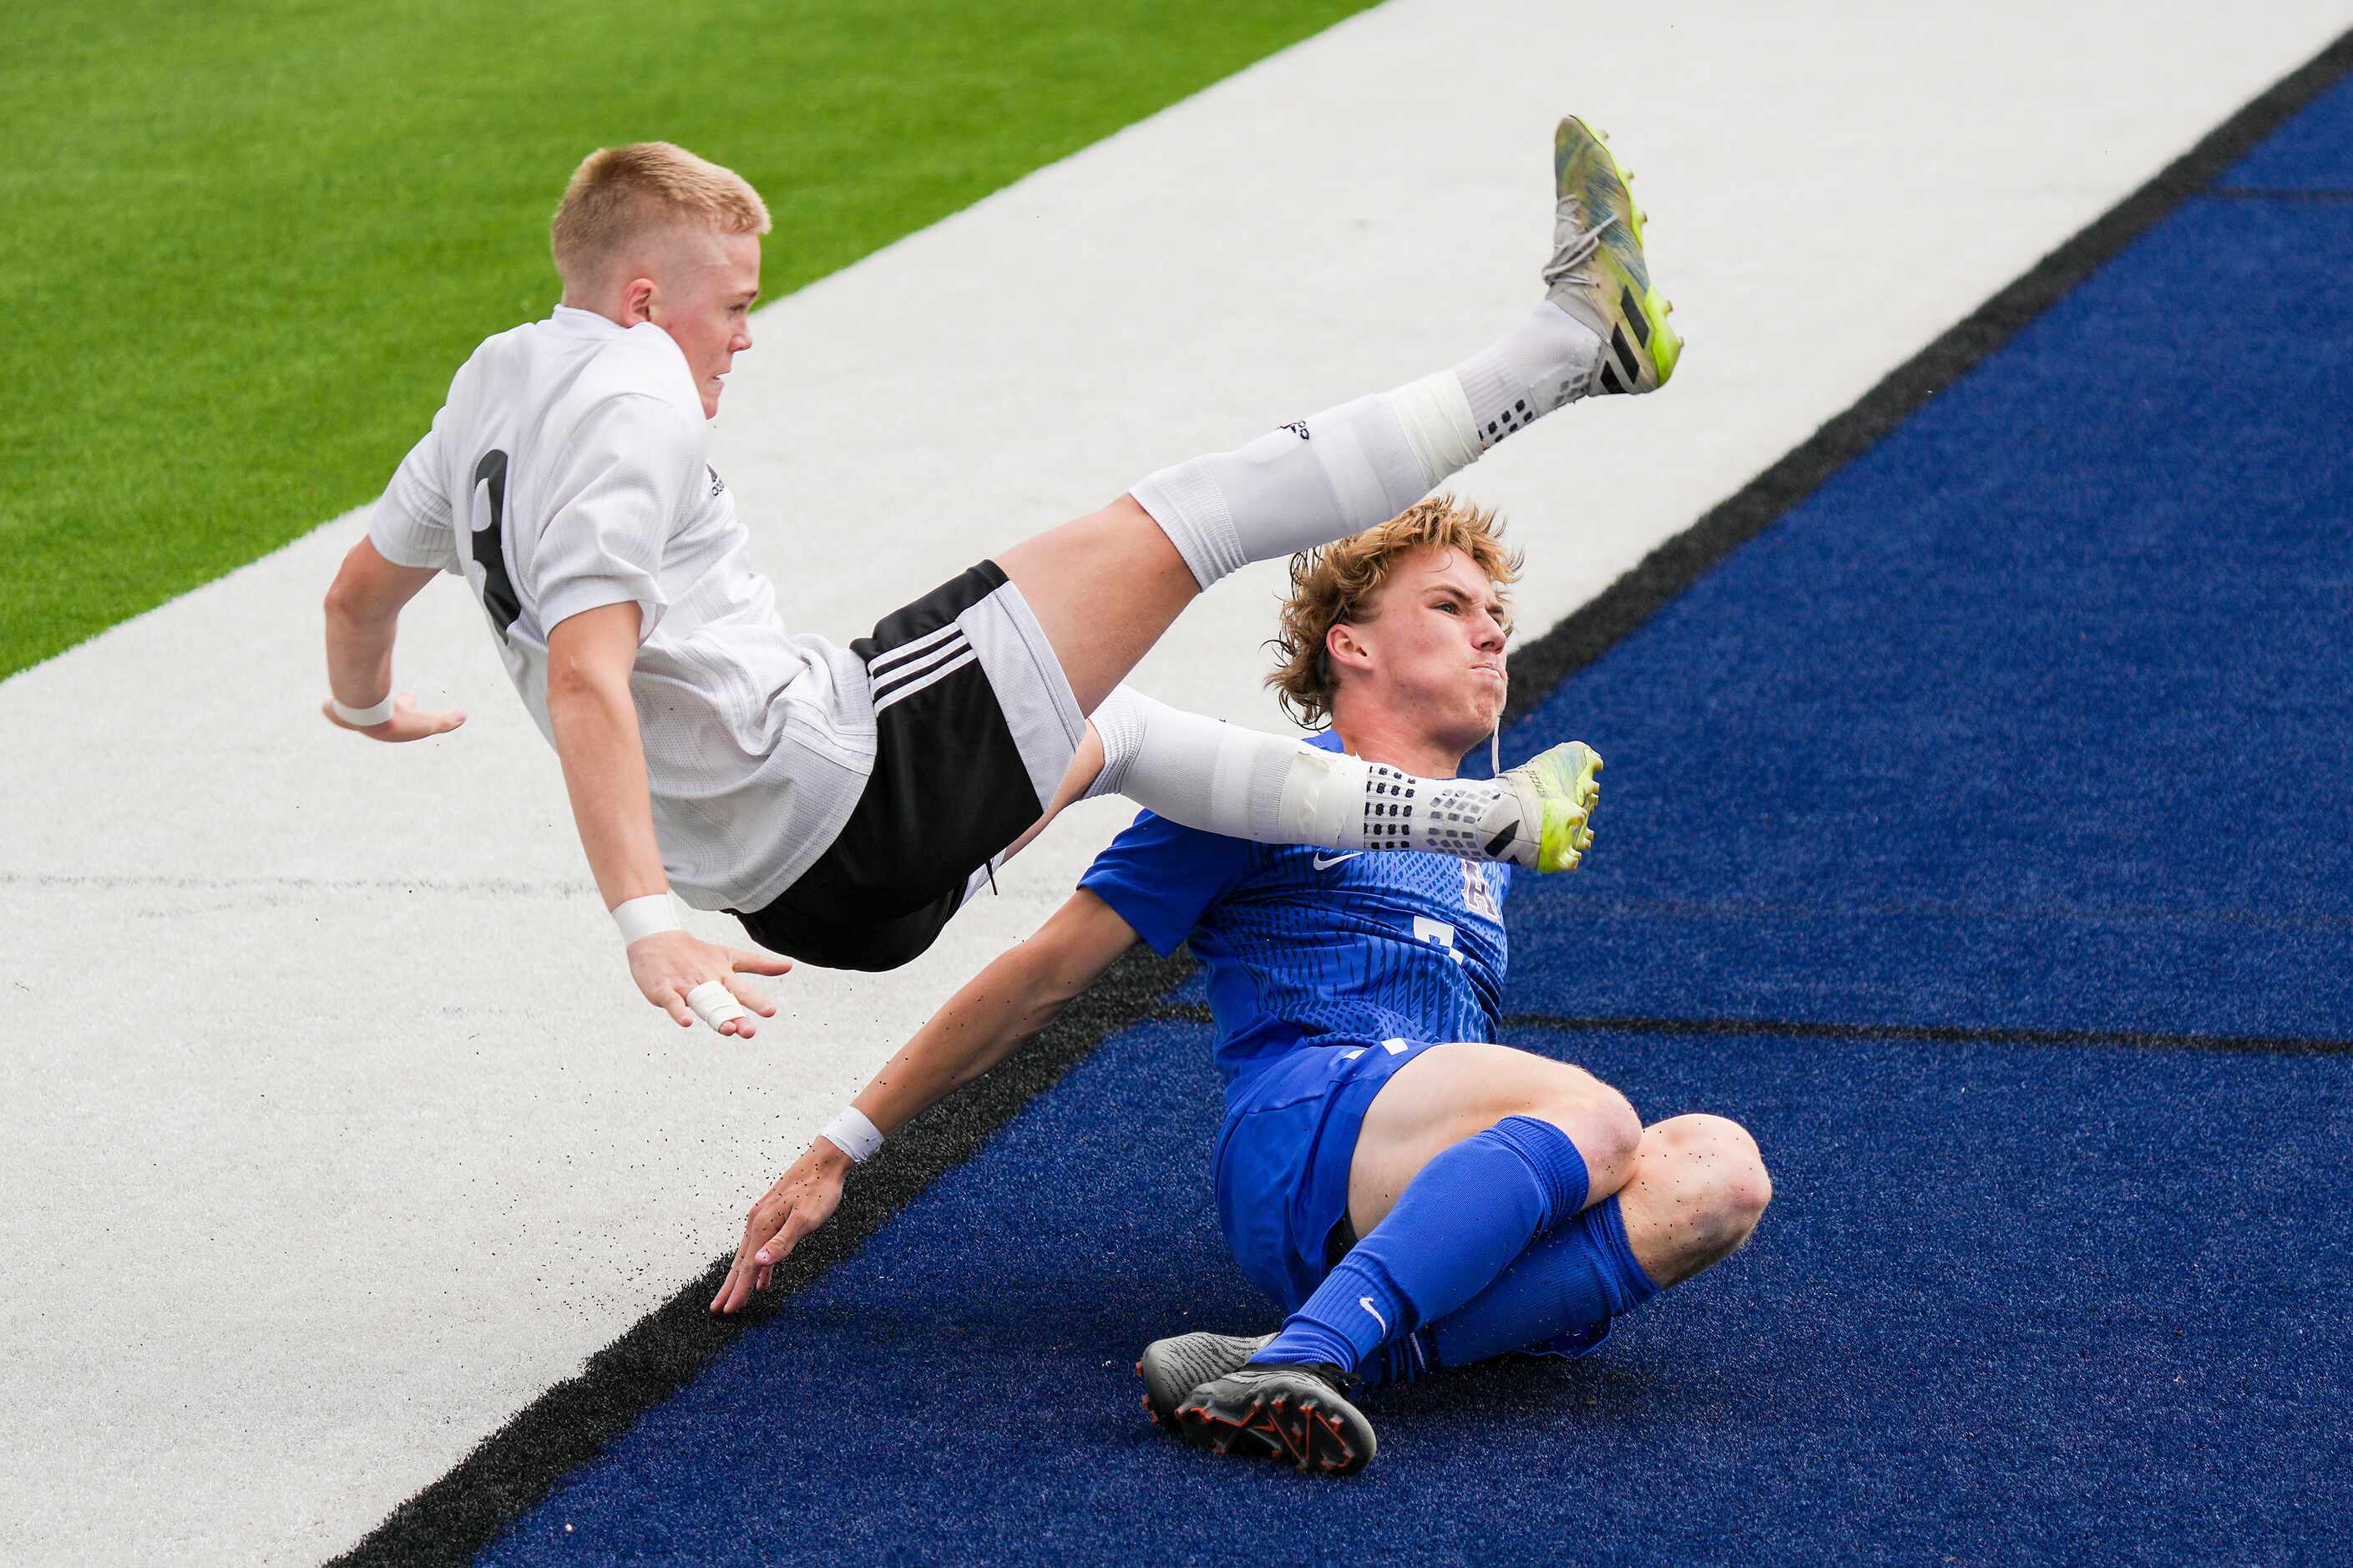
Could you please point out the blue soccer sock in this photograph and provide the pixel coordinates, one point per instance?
(1574, 1279)
(1558, 1300)
(1457, 1224)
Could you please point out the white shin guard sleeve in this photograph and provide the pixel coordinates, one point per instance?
(1242, 784)
(1220, 778)
(1312, 482)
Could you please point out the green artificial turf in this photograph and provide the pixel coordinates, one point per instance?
(245, 247)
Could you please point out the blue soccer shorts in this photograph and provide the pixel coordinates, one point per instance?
(1283, 1154)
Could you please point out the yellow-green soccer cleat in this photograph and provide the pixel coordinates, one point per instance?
(1598, 273)
(1556, 791)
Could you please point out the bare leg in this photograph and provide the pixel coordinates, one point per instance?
(1103, 588)
(1451, 1092)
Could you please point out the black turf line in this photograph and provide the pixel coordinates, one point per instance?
(1941, 1034)
(517, 1466)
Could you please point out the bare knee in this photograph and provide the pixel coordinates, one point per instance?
(1727, 1180)
(1602, 1124)
(1700, 1187)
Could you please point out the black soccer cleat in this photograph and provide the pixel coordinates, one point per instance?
(1297, 1415)
(1173, 1368)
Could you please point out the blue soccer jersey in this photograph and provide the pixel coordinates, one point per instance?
(1300, 943)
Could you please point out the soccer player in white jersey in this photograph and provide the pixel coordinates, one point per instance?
(844, 802)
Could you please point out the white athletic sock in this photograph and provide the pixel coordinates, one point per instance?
(1545, 362)
(1225, 779)
(1347, 469)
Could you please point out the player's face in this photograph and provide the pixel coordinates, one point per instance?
(1434, 646)
(703, 300)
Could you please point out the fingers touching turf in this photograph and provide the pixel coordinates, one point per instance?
(803, 1199)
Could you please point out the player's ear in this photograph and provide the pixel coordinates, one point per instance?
(1345, 648)
(638, 300)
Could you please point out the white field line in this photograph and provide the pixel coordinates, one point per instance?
(334, 1131)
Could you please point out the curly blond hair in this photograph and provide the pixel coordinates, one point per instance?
(1342, 582)
(619, 192)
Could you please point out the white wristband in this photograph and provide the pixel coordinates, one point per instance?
(360, 718)
(645, 917)
(850, 1132)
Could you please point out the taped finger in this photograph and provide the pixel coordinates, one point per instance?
(715, 1004)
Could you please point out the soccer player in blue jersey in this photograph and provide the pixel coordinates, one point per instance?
(1415, 1195)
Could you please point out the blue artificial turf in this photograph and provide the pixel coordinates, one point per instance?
(2038, 715)
(1999, 1309)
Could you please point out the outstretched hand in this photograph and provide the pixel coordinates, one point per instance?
(408, 721)
(803, 1199)
(669, 966)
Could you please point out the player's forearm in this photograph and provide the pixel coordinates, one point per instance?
(594, 723)
(999, 1009)
(359, 660)
(359, 651)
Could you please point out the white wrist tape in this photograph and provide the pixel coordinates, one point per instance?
(715, 1004)
(850, 1132)
(645, 917)
(360, 718)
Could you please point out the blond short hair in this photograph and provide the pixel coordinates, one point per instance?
(618, 193)
(1342, 582)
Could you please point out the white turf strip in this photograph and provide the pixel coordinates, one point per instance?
(334, 1129)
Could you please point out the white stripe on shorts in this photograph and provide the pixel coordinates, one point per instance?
(891, 658)
(914, 673)
(963, 656)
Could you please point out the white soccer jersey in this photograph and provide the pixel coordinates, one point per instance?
(574, 451)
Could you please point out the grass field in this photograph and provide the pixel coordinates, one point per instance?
(249, 246)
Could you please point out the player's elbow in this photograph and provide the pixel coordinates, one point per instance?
(351, 600)
(1042, 980)
(574, 682)
(590, 656)
(1043, 991)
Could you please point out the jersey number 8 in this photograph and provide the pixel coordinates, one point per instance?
(489, 546)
